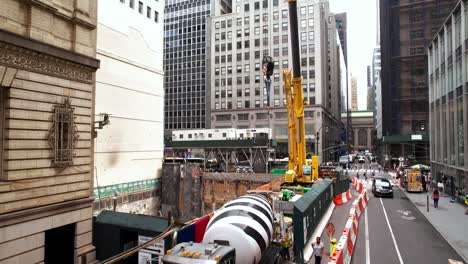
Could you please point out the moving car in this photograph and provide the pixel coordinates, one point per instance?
(382, 187)
(344, 160)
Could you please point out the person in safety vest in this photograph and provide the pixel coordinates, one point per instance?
(285, 246)
(332, 246)
(466, 203)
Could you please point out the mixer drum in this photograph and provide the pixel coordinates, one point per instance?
(245, 223)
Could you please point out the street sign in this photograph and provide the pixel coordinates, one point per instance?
(330, 229)
(153, 253)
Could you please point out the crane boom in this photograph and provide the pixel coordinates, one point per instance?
(298, 170)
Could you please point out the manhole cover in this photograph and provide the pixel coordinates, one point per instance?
(419, 204)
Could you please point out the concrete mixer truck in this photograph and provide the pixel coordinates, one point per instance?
(239, 232)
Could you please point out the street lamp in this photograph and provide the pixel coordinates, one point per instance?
(318, 137)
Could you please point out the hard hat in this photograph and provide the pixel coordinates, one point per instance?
(333, 240)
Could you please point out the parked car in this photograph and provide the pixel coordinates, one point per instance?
(382, 187)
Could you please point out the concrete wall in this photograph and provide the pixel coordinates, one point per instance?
(129, 86)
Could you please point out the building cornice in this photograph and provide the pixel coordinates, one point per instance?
(23, 53)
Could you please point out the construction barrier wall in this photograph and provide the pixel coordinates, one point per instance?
(308, 211)
(341, 186)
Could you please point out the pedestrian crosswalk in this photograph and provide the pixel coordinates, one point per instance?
(363, 170)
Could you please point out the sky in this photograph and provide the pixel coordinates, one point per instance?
(361, 15)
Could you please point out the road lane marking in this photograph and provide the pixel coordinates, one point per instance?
(391, 232)
(367, 239)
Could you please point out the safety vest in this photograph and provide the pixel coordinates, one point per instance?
(466, 199)
(285, 243)
(332, 248)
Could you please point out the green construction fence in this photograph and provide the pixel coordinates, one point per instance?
(308, 211)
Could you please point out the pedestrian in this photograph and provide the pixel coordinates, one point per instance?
(455, 195)
(423, 182)
(436, 196)
(332, 246)
(285, 246)
(466, 204)
(317, 246)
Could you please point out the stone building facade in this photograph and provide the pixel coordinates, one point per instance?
(47, 83)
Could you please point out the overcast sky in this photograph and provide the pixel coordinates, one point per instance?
(361, 16)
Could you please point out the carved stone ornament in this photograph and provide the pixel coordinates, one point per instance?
(26, 59)
(63, 134)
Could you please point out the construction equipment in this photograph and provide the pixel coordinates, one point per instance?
(299, 172)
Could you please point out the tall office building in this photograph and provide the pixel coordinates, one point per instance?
(238, 43)
(185, 61)
(341, 26)
(354, 99)
(370, 90)
(406, 30)
(448, 100)
(377, 87)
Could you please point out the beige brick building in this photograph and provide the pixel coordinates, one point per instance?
(47, 83)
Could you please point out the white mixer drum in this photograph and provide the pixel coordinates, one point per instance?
(246, 223)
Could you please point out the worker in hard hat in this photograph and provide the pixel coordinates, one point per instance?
(285, 245)
(332, 246)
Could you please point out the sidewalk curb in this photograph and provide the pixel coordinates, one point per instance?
(465, 258)
(318, 232)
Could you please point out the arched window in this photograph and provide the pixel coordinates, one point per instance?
(362, 137)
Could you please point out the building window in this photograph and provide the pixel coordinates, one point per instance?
(284, 26)
(311, 9)
(284, 13)
(284, 39)
(257, 103)
(246, 8)
(311, 22)
(247, 92)
(303, 36)
(275, 15)
(285, 51)
(148, 12)
(132, 3)
(156, 16)
(257, 6)
(63, 134)
(247, 21)
(303, 11)
(239, 105)
(239, 22)
(257, 18)
(257, 30)
(257, 78)
(140, 7)
(303, 23)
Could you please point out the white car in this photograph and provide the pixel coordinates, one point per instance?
(361, 159)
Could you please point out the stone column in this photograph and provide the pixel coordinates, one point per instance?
(356, 137)
(369, 138)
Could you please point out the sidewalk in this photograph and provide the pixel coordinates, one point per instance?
(338, 219)
(449, 219)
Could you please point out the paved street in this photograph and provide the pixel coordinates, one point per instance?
(398, 233)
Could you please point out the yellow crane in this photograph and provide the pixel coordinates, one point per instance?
(299, 172)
